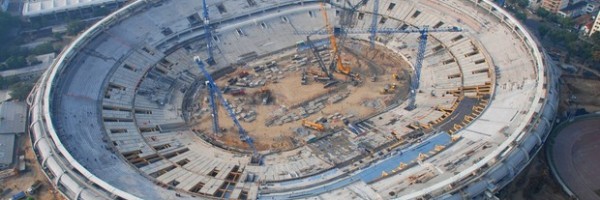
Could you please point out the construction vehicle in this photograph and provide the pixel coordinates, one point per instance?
(315, 52)
(34, 187)
(304, 80)
(395, 77)
(389, 88)
(423, 31)
(265, 96)
(337, 60)
(313, 125)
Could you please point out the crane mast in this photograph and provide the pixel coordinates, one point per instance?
(219, 95)
(423, 31)
(207, 34)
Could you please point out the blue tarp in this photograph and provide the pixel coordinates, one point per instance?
(370, 173)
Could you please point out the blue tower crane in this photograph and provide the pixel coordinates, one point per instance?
(374, 22)
(208, 34)
(215, 92)
(212, 88)
(424, 31)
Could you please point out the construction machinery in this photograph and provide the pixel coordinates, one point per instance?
(207, 34)
(395, 77)
(374, 22)
(313, 125)
(389, 88)
(424, 31)
(337, 60)
(315, 52)
(304, 80)
(214, 93)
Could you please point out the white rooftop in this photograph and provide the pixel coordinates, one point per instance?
(7, 146)
(12, 117)
(33, 8)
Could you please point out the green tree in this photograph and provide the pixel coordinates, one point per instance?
(20, 91)
(74, 27)
(542, 12)
(543, 29)
(43, 49)
(595, 38)
(101, 11)
(5, 82)
(7, 25)
(596, 56)
(15, 62)
(32, 60)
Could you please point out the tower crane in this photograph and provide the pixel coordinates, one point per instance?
(315, 52)
(207, 34)
(374, 22)
(215, 92)
(424, 31)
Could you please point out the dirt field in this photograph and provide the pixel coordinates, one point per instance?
(288, 94)
(585, 91)
(21, 182)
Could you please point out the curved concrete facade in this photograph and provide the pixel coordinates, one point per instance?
(75, 180)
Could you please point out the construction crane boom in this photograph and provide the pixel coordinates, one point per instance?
(318, 57)
(338, 59)
(211, 83)
(213, 104)
(424, 31)
(207, 34)
(374, 22)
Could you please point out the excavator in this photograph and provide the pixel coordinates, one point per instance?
(313, 125)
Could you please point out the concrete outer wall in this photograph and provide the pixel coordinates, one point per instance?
(501, 166)
(63, 170)
(72, 179)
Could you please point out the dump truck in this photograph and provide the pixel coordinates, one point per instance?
(34, 187)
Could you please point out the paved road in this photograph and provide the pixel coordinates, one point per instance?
(576, 157)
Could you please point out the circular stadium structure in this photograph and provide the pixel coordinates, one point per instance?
(124, 111)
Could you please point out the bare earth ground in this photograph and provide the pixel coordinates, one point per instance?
(22, 181)
(288, 92)
(585, 91)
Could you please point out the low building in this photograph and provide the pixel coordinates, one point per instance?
(596, 27)
(66, 9)
(12, 118)
(592, 7)
(7, 150)
(554, 5)
(574, 10)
